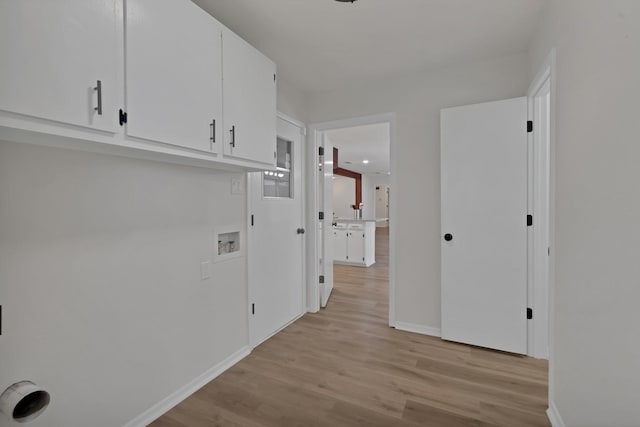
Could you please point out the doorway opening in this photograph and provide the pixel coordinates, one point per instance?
(353, 166)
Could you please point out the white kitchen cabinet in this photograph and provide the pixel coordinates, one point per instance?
(340, 242)
(354, 243)
(355, 246)
(60, 61)
(173, 74)
(249, 101)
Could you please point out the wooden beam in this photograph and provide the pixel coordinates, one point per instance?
(337, 170)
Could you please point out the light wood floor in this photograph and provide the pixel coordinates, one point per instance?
(345, 367)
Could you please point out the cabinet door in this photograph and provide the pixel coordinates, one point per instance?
(54, 53)
(339, 245)
(249, 101)
(173, 73)
(355, 247)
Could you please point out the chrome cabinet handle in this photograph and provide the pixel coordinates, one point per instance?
(98, 89)
(233, 136)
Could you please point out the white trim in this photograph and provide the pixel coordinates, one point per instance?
(293, 121)
(554, 416)
(538, 235)
(548, 70)
(311, 199)
(314, 128)
(550, 63)
(552, 224)
(160, 408)
(418, 329)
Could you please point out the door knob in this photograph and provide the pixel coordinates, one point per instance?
(448, 237)
(300, 230)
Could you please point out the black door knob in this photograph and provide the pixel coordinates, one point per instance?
(300, 230)
(448, 237)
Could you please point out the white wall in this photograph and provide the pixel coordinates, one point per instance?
(595, 351)
(291, 101)
(369, 184)
(417, 100)
(344, 195)
(100, 280)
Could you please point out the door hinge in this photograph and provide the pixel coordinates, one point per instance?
(320, 151)
(253, 309)
(529, 126)
(252, 220)
(321, 215)
(529, 220)
(321, 279)
(274, 77)
(529, 313)
(123, 117)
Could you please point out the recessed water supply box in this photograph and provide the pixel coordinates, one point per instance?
(228, 244)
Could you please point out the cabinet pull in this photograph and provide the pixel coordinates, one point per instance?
(212, 126)
(233, 136)
(98, 89)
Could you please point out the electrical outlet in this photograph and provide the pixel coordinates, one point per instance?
(205, 270)
(237, 186)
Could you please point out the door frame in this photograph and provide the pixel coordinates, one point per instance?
(250, 247)
(313, 286)
(536, 338)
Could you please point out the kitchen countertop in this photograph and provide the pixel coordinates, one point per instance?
(350, 221)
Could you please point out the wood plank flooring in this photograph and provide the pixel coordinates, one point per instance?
(345, 367)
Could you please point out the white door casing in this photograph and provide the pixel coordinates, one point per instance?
(314, 202)
(325, 224)
(539, 199)
(484, 208)
(276, 247)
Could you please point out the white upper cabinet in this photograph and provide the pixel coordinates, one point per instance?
(60, 61)
(173, 74)
(188, 85)
(249, 101)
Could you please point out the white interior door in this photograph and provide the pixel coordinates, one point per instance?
(325, 228)
(276, 233)
(484, 235)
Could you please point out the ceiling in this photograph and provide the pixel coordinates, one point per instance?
(355, 144)
(321, 45)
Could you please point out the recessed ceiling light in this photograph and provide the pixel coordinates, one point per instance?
(365, 161)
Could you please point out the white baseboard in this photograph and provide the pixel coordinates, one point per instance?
(554, 416)
(418, 329)
(157, 410)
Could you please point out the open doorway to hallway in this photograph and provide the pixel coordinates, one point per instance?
(354, 170)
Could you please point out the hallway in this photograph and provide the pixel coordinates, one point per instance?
(344, 366)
